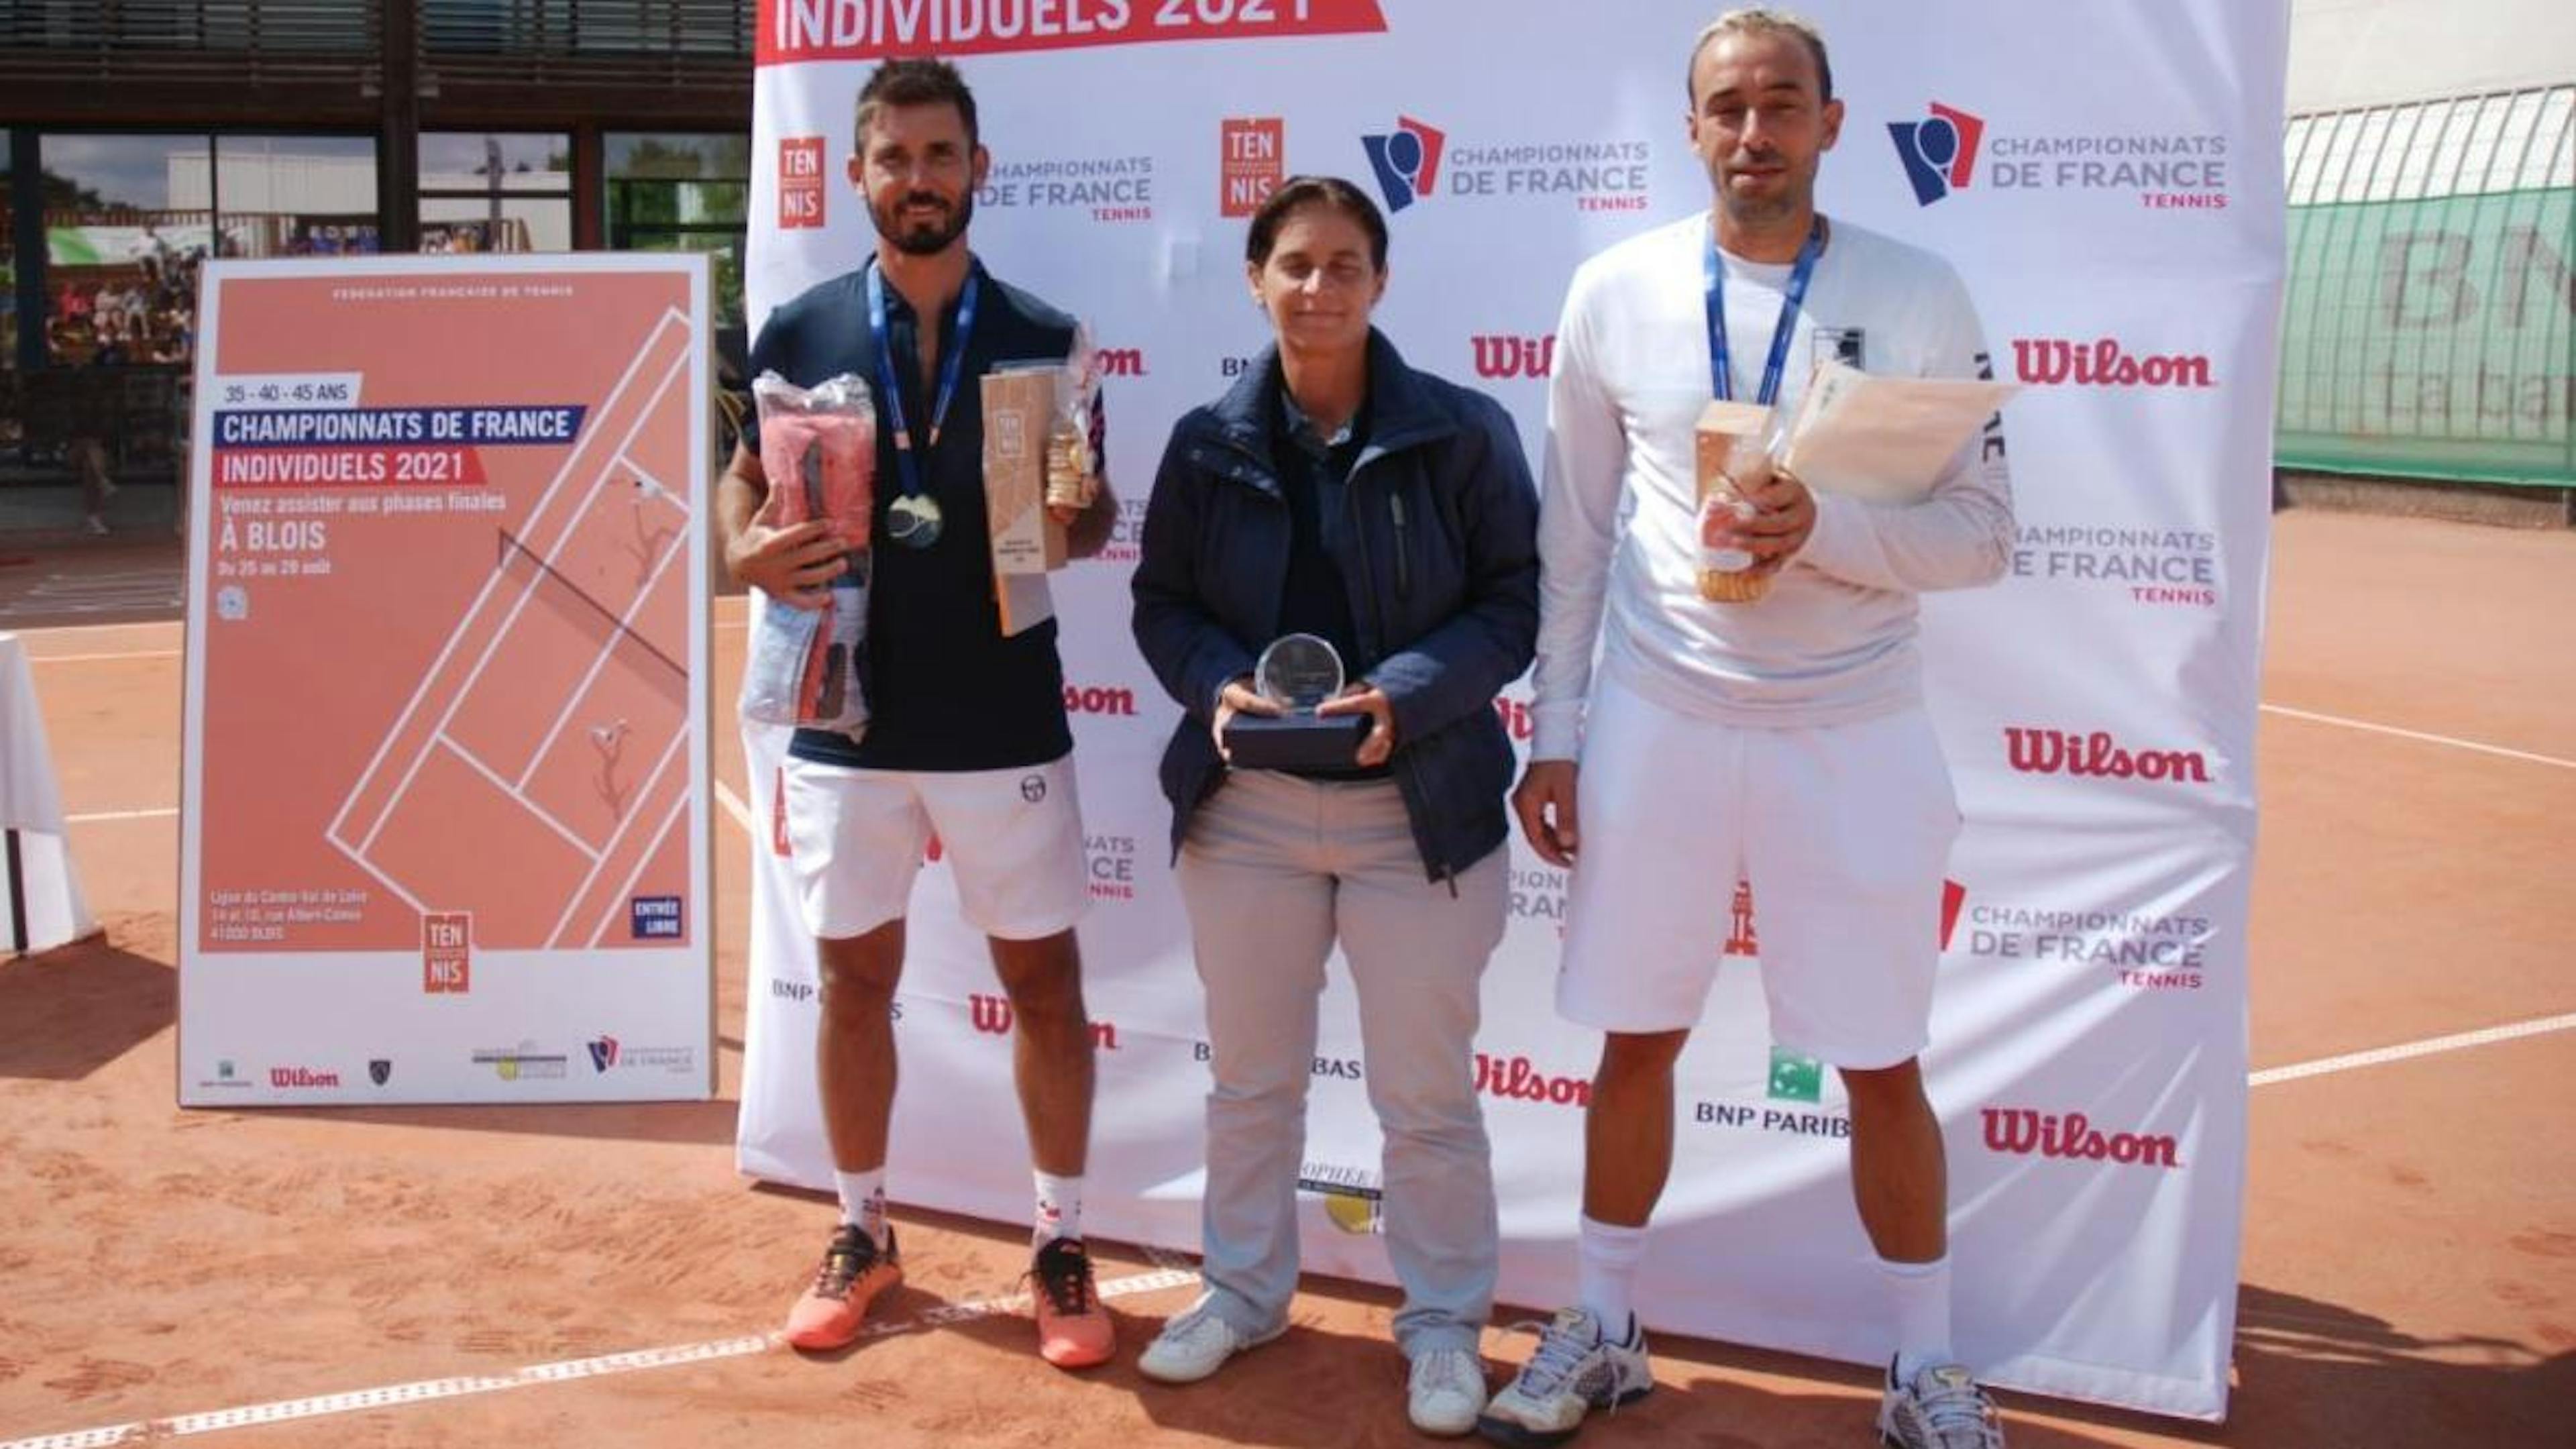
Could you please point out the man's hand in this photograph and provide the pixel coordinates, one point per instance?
(1369, 700)
(1238, 697)
(794, 565)
(1544, 801)
(1784, 514)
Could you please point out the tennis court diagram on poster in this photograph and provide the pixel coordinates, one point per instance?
(445, 833)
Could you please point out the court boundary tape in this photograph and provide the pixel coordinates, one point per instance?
(2367, 727)
(2406, 1051)
(420, 1391)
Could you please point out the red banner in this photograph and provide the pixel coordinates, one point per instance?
(792, 31)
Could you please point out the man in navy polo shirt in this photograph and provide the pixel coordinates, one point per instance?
(967, 736)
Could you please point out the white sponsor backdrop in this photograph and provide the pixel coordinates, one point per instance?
(2098, 706)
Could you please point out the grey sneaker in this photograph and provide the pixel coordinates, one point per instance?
(1195, 1345)
(1445, 1391)
(1941, 1409)
(1575, 1371)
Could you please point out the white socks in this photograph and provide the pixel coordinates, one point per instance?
(1919, 1294)
(1606, 1269)
(863, 1200)
(1059, 1212)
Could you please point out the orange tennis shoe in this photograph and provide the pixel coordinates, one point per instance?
(855, 1270)
(1073, 1328)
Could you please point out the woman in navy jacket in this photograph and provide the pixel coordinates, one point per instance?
(1335, 491)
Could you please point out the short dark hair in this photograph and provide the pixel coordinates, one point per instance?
(1761, 20)
(913, 80)
(1325, 191)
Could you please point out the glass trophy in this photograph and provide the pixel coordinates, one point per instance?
(1297, 673)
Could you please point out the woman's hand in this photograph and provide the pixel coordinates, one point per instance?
(1369, 700)
(1238, 697)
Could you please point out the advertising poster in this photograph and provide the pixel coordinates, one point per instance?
(444, 825)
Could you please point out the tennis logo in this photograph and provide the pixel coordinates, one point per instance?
(800, 182)
(1252, 159)
(1940, 153)
(2021, 1132)
(1406, 161)
(446, 952)
(1795, 1077)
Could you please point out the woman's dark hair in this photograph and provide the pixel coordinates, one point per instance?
(1326, 191)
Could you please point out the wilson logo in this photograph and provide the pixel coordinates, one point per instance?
(2058, 752)
(993, 1016)
(2056, 362)
(1515, 356)
(1079, 700)
(1120, 361)
(1519, 1079)
(2022, 1132)
(284, 1077)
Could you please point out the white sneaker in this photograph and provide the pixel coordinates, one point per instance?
(1575, 1371)
(96, 525)
(1195, 1345)
(1941, 1409)
(1445, 1391)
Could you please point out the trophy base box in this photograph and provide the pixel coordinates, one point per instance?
(1295, 742)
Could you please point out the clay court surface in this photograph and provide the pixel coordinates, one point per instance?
(454, 1276)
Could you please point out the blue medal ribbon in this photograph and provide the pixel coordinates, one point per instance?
(1721, 363)
(951, 368)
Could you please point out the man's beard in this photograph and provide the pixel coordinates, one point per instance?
(924, 240)
(1791, 199)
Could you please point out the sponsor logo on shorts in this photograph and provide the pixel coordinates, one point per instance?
(992, 1015)
(301, 1078)
(2143, 951)
(1518, 1079)
(1252, 159)
(2022, 1132)
(2036, 751)
(800, 992)
(1354, 1197)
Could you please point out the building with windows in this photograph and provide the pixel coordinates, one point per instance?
(145, 135)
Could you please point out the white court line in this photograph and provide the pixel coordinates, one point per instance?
(734, 807)
(2380, 1056)
(101, 658)
(559, 1372)
(97, 816)
(522, 801)
(2457, 744)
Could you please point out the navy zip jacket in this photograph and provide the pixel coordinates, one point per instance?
(1439, 549)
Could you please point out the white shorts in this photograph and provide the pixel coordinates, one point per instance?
(1013, 839)
(1843, 832)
